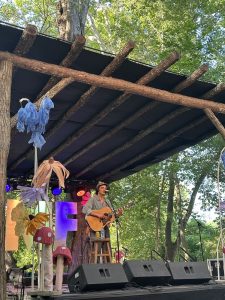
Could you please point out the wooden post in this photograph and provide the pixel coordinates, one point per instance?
(5, 98)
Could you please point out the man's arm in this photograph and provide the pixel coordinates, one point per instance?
(88, 209)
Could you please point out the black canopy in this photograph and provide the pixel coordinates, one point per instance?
(134, 135)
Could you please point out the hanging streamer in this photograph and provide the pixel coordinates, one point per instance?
(34, 121)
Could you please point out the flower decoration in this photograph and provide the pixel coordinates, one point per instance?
(44, 172)
(19, 215)
(25, 222)
(35, 222)
(29, 195)
(85, 198)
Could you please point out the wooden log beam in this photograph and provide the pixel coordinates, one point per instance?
(108, 70)
(216, 122)
(180, 86)
(136, 139)
(75, 50)
(111, 132)
(26, 41)
(112, 83)
(151, 75)
(155, 148)
(191, 79)
(184, 84)
(213, 92)
(5, 98)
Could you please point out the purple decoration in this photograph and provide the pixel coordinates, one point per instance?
(7, 188)
(56, 191)
(29, 195)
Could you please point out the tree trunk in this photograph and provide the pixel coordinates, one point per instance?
(72, 15)
(5, 98)
(80, 243)
(158, 214)
(169, 245)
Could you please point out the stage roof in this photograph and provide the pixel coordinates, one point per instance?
(126, 138)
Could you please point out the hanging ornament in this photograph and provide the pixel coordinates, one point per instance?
(44, 172)
(29, 195)
(34, 120)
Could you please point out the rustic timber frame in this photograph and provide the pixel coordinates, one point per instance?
(63, 75)
(156, 117)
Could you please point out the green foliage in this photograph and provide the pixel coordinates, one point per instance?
(208, 233)
(39, 13)
(148, 188)
(195, 28)
(24, 256)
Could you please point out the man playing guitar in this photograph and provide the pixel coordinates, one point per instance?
(95, 205)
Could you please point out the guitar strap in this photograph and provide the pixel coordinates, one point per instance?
(109, 204)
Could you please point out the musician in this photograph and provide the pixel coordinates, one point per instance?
(97, 202)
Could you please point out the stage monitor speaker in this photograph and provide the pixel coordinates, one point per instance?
(146, 272)
(97, 277)
(189, 272)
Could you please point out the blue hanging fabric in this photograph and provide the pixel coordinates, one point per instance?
(22, 116)
(31, 117)
(34, 121)
(44, 111)
(21, 119)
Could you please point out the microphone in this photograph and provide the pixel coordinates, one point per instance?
(26, 267)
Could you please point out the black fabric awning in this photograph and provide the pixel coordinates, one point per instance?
(122, 146)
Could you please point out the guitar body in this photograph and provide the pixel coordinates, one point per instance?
(97, 224)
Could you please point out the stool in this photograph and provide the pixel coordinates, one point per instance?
(100, 251)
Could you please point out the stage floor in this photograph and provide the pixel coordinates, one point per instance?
(212, 291)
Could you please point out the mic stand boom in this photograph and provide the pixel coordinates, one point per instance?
(117, 230)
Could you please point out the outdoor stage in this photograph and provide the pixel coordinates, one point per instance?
(209, 291)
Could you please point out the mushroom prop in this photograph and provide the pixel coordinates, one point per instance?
(61, 257)
(45, 236)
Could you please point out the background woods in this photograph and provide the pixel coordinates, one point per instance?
(165, 194)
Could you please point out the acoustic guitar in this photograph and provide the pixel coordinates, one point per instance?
(97, 224)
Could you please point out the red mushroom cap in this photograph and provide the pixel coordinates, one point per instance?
(65, 252)
(44, 235)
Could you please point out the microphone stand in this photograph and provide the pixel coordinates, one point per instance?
(117, 230)
(200, 236)
(22, 285)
